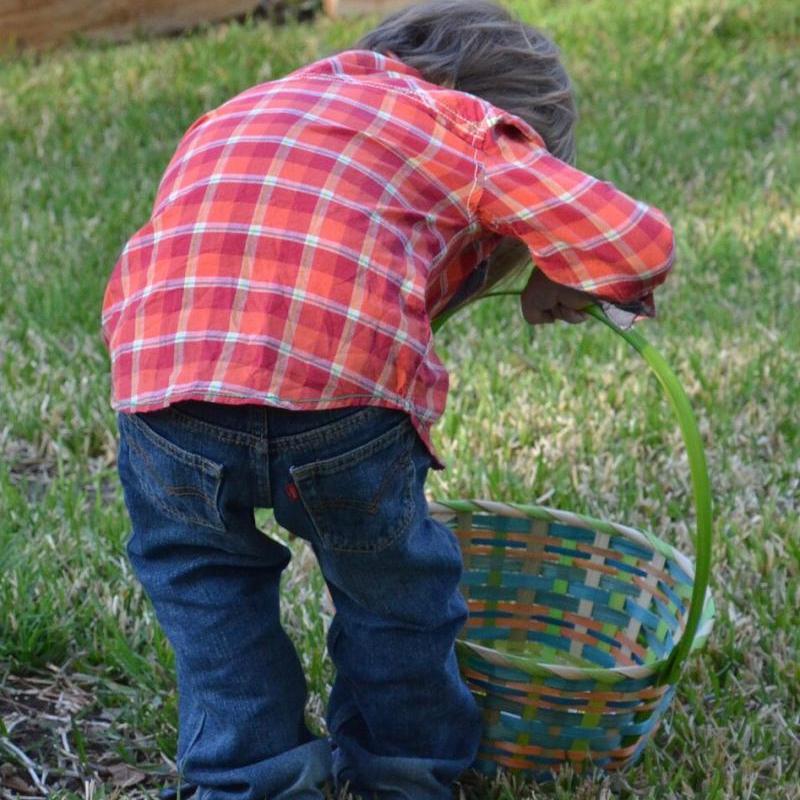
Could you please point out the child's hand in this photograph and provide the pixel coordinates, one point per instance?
(544, 301)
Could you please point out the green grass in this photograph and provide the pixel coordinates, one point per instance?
(693, 106)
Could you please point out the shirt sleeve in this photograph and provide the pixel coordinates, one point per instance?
(581, 232)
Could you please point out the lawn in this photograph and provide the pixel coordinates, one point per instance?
(693, 105)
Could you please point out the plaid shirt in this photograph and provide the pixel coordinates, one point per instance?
(307, 231)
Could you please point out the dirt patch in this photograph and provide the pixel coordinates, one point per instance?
(56, 736)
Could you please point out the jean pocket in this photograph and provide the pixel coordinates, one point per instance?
(362, 500)
(183, 485)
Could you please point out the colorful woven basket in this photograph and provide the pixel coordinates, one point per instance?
(578, 628)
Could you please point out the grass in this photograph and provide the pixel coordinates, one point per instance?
(694, 105)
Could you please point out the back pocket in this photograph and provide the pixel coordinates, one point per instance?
(362, 500)
(183, 485)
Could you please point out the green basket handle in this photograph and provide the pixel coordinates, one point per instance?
(697, 467)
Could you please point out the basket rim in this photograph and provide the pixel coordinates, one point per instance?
(534, 666)
(574, 518)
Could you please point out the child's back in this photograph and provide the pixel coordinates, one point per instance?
(307, 231)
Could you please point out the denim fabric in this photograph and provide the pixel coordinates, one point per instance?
(402, 723)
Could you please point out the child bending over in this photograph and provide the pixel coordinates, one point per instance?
(270, 339)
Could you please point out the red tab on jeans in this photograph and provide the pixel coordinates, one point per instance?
(291, 490)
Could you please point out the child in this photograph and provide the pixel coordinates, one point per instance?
(270, 340)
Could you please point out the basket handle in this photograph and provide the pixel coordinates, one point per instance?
(697, 467)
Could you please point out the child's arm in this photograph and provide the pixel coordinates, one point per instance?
(584, 234)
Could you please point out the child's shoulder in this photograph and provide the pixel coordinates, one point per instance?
(369, 76)
(467, 113)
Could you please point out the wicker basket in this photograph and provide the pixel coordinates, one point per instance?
(578, 628)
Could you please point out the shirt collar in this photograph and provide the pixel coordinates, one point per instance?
(363, 62)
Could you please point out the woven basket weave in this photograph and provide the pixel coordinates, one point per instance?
(578, 628)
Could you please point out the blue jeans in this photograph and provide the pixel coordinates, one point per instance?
(403, 725)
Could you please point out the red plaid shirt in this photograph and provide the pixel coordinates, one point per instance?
(307, 231)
